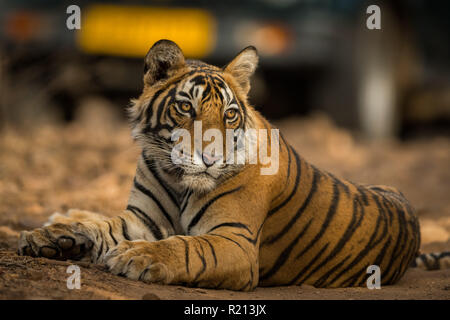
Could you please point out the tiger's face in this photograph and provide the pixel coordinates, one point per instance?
(196, 105)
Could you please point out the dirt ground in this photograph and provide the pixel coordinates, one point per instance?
(90, 164)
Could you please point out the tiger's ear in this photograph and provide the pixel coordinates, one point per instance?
(243, 66)
(162, 60)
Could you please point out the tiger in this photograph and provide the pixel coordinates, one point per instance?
(220, 225)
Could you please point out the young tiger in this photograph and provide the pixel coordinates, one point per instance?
(218, 225)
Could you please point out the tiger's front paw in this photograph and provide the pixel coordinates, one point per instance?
(57, 241)
(136, 260)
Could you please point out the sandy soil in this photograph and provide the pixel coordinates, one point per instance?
(90, 164)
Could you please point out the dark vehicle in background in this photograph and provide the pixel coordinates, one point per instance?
(315, 55)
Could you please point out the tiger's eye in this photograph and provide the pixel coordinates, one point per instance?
(230, 113)
(186, 107)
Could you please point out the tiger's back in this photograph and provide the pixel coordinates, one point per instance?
(325, 231)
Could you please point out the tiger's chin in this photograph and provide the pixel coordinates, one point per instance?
(200, 183)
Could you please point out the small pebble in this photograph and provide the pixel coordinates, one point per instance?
(307, 287)
(150, 296)
(201, 291)
(36, 275)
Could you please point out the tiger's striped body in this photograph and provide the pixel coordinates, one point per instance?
(226, 225)
(332, 230)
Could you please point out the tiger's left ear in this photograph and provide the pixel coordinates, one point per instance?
(162, 60)
(243, 66)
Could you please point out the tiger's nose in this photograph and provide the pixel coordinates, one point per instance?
(209, 159)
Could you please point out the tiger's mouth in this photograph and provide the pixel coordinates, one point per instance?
(205, 174)
(210, 173)
(201, 182)
(198, 178)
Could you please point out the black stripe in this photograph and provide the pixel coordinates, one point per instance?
(186, 254)
(289, 159)
(288, 174)
(243, 108)
(206, 92)
(169, 116)
(352, 280)
(340, 183)
(405, 261)
(381, 190)
(363, 194)
(272, 239)
(106, 246)
(229, 239)
(238, 244)
(146, 220)
(212, 251)
(100, 250)
(282, 258)
(148, 193)
(381, 208)
(321, 280)
(231, 224)
(202, 258)
(202, 211)
(377, 262)
(161, 106)
(125, 229)
(198, 80)
(401, 238)
(185, 201)
(360, 255)
(249, 282)
(250, 240)
(424, 259)
(302, 272)
(184, 94)
(353, 225)
(444, 254)
(110, 233)
(371, 244)
(294, 190)
(220, 284)
(331, 212)
(149, 111)
(389, 205)
(151, 167)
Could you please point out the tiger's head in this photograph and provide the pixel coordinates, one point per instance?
(181, 94)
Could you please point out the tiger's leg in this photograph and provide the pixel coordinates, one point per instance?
(220, 250)
(219, 260)
(87, 236)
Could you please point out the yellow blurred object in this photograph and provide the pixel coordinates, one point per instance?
(131, 30)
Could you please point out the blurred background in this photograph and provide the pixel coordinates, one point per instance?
(315, 55)
(372, 106)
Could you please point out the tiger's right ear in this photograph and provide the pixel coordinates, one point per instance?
(162, 60)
